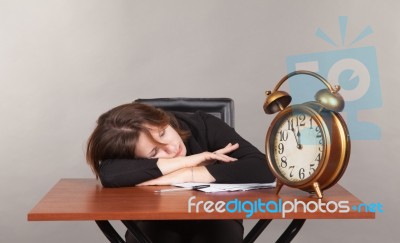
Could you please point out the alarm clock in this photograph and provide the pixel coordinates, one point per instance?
(307, 145)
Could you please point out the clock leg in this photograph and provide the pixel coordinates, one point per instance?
(317, 189)
(278, 186)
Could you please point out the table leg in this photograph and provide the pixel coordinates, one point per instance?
(134, 229)
(109, 231)
(256, 230)
(291, 231)
(287, 236)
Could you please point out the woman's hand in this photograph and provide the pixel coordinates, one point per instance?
(168, 166)
(227, 149)
(206, 158)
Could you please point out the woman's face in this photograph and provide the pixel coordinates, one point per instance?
(172, 147)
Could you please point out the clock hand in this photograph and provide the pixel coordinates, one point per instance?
(297, 137)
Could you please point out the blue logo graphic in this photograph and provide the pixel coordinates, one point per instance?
(354, 69)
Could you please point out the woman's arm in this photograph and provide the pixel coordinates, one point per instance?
(192, 174)
(129, 172)
(167, 166)
(194, 171)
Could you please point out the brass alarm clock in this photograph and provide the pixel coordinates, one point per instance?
(307, 145)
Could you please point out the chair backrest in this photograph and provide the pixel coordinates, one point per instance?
(222, 108)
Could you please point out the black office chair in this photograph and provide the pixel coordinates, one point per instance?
(222, 108)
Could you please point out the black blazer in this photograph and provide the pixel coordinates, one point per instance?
(208, 133)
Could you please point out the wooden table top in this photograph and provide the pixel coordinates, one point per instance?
(86, 199)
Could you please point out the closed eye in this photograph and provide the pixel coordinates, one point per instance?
(162, 133)
(154, 152)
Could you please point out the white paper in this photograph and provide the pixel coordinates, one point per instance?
(218, 187)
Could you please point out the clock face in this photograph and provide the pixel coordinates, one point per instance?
(298, 146)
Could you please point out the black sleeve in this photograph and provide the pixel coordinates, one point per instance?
(128, 172)
(251, 166)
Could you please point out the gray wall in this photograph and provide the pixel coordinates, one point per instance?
(62, 63)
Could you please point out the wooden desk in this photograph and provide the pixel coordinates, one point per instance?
(86, 199)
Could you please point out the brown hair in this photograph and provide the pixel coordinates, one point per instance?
(118, 130)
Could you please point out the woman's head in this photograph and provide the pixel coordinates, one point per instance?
(134, 130)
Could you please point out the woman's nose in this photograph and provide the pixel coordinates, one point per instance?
(170, 149)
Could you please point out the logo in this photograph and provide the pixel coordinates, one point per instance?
(279, 206)
(354, 69)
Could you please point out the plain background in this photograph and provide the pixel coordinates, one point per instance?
(64, 62)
